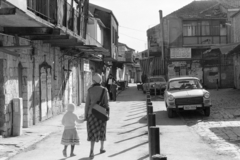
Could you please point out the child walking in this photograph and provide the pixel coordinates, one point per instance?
(70, 135)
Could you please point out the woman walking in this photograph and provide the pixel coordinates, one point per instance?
(96, 128)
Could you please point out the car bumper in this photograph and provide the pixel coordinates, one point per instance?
(186, 107)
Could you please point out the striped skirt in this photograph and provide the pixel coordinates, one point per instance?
(96, 129)
(70, 137)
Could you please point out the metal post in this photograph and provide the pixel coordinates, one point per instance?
(154, 141)
(150, 109)
(162, 36)
(149, 103)
(148, 100)
(151, 120)
(155, 89)
(159, 157)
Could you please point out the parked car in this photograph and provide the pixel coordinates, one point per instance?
(186, 93)
(155, 83)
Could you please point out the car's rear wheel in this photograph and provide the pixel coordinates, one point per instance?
(207, 111)
(170, 113)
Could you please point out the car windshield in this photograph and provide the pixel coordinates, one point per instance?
(156, 79)
(184, 84)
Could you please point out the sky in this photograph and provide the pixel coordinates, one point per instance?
(135, 17)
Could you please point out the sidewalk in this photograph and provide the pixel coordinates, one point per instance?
(126, 133)
(12, 145)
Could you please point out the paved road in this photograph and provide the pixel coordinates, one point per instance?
(127, 135)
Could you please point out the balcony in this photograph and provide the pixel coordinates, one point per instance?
(61, 13)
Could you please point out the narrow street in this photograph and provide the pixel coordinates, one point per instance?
(127, 135)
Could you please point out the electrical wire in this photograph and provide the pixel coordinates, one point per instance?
(132, 37)
(132, 29)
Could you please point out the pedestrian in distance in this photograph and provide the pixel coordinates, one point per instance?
(96, 128)
(70, 135)
(110, 81)
(113, 89)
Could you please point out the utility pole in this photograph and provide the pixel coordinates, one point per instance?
(162, 44)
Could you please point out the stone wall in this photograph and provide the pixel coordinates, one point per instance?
(30, 61)
(10, 83)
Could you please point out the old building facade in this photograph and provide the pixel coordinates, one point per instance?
(188, 35)
(48, 52)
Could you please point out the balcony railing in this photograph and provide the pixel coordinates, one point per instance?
(46, 9)
(62, 13)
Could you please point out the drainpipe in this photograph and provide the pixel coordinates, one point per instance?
(33, 85)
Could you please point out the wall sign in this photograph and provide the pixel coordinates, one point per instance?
(180, 53)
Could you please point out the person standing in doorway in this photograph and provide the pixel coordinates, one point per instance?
(96, 128)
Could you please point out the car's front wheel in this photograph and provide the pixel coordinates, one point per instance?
(170, 113)
(207, 111)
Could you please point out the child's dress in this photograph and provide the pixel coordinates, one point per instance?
(70, 135)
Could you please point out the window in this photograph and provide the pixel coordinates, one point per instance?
(223, 30)
(215, 28)
(184, 84)
(191, 29)
(156, 80)
(205, 28)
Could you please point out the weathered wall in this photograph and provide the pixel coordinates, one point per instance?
(236, 28)
(10, 85)
(35, 84)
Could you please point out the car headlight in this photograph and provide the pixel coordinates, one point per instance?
(206, 95)
(170, 98)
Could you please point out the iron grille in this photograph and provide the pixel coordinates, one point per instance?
(192, 100)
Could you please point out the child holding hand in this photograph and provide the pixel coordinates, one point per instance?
(70, 135)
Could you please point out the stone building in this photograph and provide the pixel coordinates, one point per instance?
(47, 56)
(189, 33)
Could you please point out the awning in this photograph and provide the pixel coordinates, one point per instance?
(225, 49)
(110, 59)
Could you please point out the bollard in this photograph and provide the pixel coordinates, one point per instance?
(159, 157)
(149, 103)
(148, 100)
(151, 120)
(149, 110)
(154, 141)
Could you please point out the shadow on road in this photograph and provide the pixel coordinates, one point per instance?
(85, 158)
(132, 138)
(134, 118)
(128, 149)
(132, 130)
(143, 158)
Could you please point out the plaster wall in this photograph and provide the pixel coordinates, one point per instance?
(31, 91)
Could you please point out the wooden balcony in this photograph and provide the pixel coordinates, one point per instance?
(61, 13)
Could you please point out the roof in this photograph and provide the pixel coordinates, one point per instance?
(92, 8)
(182, 78)
(230, 3)
(122, 44)
(200, 10)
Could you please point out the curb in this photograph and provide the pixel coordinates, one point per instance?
(26, 146)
